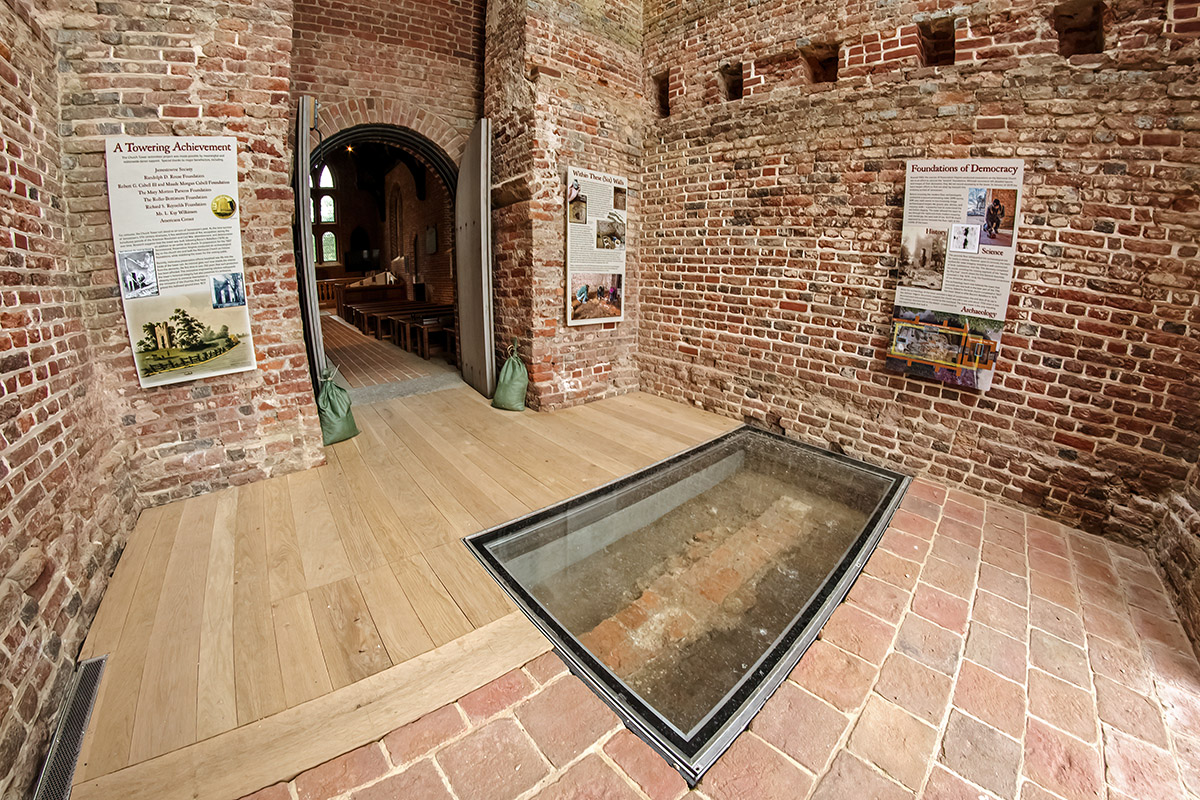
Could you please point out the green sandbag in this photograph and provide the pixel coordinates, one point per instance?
(333, 407)
(510, 388)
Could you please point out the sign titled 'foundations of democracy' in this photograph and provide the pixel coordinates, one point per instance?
(957, 251)
(177, 236)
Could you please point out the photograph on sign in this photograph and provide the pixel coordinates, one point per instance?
(177, 237)
(595, 296)
(922, 257)
(139, 277)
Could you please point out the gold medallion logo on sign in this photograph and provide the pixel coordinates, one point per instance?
(223, 206)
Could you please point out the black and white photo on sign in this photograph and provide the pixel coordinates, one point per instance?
(964, 238)
(610, 232)
(922, 257)
(577, 207)
(139, 275)
(976, 202)
(228, 290)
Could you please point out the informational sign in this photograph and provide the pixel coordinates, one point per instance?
(596, 220)
(177, 236)
(957, 252)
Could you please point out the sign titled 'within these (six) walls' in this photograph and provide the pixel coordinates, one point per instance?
(957, 252)
(596, 220)
(177, 236)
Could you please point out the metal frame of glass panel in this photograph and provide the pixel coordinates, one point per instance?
(691, 753)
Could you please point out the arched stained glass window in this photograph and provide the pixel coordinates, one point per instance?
(325, 214)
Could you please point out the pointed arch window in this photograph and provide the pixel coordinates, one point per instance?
(325, 214)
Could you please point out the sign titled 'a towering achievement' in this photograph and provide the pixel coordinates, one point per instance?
(956, 260)
(596, 220)
(177, 236)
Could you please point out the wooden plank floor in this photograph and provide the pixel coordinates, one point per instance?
(230, 609)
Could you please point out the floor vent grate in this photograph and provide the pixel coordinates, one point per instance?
(55, 781)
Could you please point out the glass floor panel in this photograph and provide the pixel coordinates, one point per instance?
(685, 593)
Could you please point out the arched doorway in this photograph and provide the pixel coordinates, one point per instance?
(383, 236)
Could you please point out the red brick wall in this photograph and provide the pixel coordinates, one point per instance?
(435, 270)
(197, 69)
(768, 282)
(509, 103)
(414, 63)
(65, 501)
(1177, 549)
(567, 90)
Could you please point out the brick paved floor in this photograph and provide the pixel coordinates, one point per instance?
(985, 653)
(366, 361)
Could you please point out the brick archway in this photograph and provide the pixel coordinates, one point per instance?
(382, 111)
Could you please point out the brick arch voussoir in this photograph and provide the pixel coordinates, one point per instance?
(349, 113)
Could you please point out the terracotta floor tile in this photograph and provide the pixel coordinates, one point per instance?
(981, 754)
(998, 613)
(1103, 595)
(1177, 668)
(954, 579)
(991, 698)
(1004, 537)
(1001, 654)
(561, 736)
(1059, 658)
(945, 609)
(1047, 563)
(1181, 708)
(1164, 631)
(1113, 626)
(929, 644)
(914, 524)
(1050, 541)
(1130, 712)
(914, 687)
(893, 740)
(905, 545)
(1056, 591)
(1151, 600)
(1062, 763)
(1063, 705)
(946, 785)
(1188, 749)
(882, 599)
(751, 768)
(497, 760)
(1005, 517)
(588, 778)
(1013, 588)
(1052, 618)
(804, 727)
(1123, 665)
(1138, 769)
(831, 673)
(859, 633)
(850, 777)
(954, 552)
(1095, 570)
(646, 767)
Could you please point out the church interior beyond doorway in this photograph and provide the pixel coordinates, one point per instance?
(383, 236)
